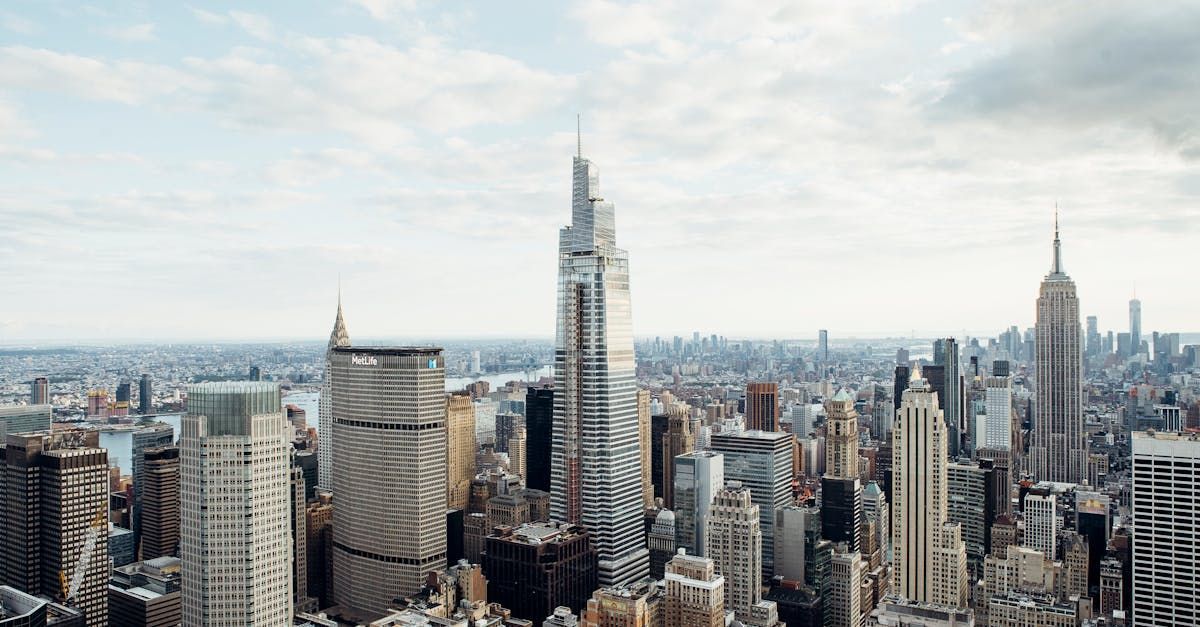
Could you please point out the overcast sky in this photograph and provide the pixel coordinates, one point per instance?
(176, 172)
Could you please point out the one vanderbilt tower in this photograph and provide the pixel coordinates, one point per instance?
(596, 479)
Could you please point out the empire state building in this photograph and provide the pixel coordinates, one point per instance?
(596, 457)
(1059, 448)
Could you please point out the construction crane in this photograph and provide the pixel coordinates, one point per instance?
(69, 590)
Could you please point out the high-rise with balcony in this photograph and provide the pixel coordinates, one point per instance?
(1059, 449)
(338, 337)
(236, 527)
(596, 477)
(389, 480)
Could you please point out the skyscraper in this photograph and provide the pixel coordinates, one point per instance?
(998, 401)
(644, 445)
(1059, 448)
(39, 391)
(460, 449)
(1166, 547)
(145, 395)
(733, 541)
(149, 436)
(596, 470)
(823, 346)
(338, 337)
(950, 396)
(24, 419)
(919, 501)
(762, 462)
(698, 476)
(389, 480)
(1093, 336)
(539, 436)
(54, 507)
(678, 440)
(762, 406)
(1135, 327)
(695, 593)
(236, 538)
(160, 502)
(841, 488)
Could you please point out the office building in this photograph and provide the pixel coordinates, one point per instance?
(733, 541)
(596, 470)
(460, 449)
(661, 541)
(24, 419)
(39, 391)
(698, 477)
(235, 532)
(146, 594)
(950, 393)
(339, 336)
(762, 462)
(841, 489)
(516, 450)
(1094, 522)
(389, 525)
(19, 609)
(145, 395)
(1059, 448)
(1166, 545)
(919, 502)
(159, 521)
(899, 384)
(636, 605)
(536, 567)
(55, 513)
(998, 427)
(680, 439)
(844, 605)
(148, 436)
(318, 541)
(823, 346)
(875, 508)
(539, 436)
(1041, 522)
(971, 503)
(505, 423)
(121, 548)
(297, 517)
(762, 406)
(644, 446)
(895, 611)
(793, 525)
(695, 593)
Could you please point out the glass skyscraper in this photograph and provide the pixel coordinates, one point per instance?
(596, 460)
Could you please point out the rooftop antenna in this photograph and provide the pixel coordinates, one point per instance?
(578, 136)
(339, 290)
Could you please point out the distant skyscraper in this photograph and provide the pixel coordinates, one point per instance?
(698, 476)
(733, 541)
(899, 384)
(1059, 448)
(762, 406)
(1135, 326)
(460, 449)
(39, 391)
(24, 419)
(1166, 547)
(389, 479)
(761, 461)
(160, 502)
(951, 397)
(56, 498)
(539, 437)
(338, 337)
(823, 346)
(236, 539)
(145, 395)
(998, 401)
(1093, 336)
(124, 392)
(596, 470)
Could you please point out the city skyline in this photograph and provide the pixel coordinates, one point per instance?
(344, 180)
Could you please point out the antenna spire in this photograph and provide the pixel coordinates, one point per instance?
(578, 136)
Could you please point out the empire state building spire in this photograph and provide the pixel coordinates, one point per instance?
(1056, 266)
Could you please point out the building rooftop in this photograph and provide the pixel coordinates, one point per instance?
(403, 351)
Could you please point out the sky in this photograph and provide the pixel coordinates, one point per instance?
(208, 171)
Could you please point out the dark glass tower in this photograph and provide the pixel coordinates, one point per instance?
(539, 431)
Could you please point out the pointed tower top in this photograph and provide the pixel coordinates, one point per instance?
(339, 336)
(578, 136)
(1056, 266)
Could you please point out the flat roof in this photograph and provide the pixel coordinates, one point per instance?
(390, 350)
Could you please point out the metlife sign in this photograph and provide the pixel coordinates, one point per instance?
(363, 360)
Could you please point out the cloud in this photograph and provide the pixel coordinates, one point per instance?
(1082, 67)
(17, 24)
(133, 33)
(256, 26)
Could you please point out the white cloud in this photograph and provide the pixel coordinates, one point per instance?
(133, 33)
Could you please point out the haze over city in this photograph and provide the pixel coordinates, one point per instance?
(178, 172)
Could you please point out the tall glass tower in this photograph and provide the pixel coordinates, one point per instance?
(595, 458)
(1059, 449)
